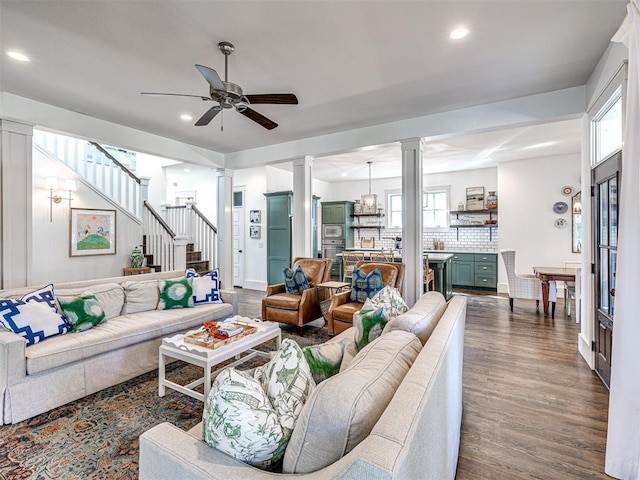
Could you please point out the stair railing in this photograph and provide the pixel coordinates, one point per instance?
(169, 250)
(98, 168)
(188, 220)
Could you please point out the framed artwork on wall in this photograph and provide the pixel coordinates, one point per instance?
(254, 231)
(475, 198)
(92, 232)
(367, 242)
(255, 216)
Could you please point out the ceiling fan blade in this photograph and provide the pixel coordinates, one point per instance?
(208, 116)
(155, 94)
(211, 76)
(273, 98)
(258, 118)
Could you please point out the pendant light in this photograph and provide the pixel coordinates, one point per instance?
(369, 201)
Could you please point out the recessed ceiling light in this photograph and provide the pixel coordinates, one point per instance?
(539, 145)
(186, 170)
(459, 33)
(186, 117)
(18, 56)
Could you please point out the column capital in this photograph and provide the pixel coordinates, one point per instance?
(416, 143)
(305, 161)
(224, 172)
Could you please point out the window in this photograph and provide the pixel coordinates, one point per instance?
(605, 118)
(435, 203)
(436, 209)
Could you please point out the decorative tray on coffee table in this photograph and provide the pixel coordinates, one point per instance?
(203, 339)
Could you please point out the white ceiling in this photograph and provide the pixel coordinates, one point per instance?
(351, 64)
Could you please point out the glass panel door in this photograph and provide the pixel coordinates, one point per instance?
(606, 193)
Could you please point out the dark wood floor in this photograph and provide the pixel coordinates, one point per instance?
(532, 407)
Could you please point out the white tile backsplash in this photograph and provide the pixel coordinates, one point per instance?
(463, 239)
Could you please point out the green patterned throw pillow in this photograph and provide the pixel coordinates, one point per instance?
(369, 323)
(324, 360)
(239, 420)
(390, 301)
(295, 281)
(288, 382)
(82, 312)
(175, 293)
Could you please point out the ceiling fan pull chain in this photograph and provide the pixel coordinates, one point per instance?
(222, 120)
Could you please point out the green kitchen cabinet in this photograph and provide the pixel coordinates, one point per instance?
(278, 234)
(463, 269)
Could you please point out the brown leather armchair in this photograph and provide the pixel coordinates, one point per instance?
(279, 306)
(340, 315)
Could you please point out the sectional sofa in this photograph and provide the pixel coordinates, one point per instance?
(415, 435)
(37, 378)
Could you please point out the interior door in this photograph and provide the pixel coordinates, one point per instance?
(606, 191)
(238, 238)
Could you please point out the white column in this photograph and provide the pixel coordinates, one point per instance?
(302, 201)
(412, 218)
(225, 226)
(16, 193)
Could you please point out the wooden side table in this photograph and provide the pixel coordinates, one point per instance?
(135, 270)
(333, 287)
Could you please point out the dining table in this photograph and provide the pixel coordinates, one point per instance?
(548, 274)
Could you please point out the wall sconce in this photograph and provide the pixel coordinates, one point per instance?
(52, 184)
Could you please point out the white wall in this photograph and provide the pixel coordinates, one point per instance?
(183, 178)
(527, 190)
(254, 181)
(152, 167)
(51, 261)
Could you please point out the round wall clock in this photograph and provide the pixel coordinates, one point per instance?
(560, 223)
(567, 190)
(560, 207)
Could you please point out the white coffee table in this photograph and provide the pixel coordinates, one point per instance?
(207, 358)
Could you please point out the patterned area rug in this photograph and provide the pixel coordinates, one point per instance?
(96, 437)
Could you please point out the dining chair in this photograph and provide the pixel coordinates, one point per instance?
(428, 275)
(570, 289)
(349, 260)
(382, 256)
(524, 287)
(573, 292)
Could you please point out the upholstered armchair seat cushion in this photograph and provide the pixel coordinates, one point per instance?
(345, 312)
(288, 301)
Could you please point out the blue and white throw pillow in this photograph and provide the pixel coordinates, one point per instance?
(365, 286)
(42, 295)
(32, 320)
(206, 288)
(295, 281)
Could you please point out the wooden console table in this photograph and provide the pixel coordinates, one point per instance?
(135, 270)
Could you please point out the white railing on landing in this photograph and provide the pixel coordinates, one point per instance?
(187, 220)
(168, 249)
(98, 167)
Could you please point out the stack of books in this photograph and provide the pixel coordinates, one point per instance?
(226, 330)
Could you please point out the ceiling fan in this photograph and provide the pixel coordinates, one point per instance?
(229, 95)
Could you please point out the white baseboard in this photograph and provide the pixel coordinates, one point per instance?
(255, 285)
(584, 347)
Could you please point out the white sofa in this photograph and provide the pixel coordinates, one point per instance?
(60, 369)
(417, 435)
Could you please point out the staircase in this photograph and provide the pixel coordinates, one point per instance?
(182, 237)
(194, 260)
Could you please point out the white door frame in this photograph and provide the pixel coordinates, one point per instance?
(238, 239)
